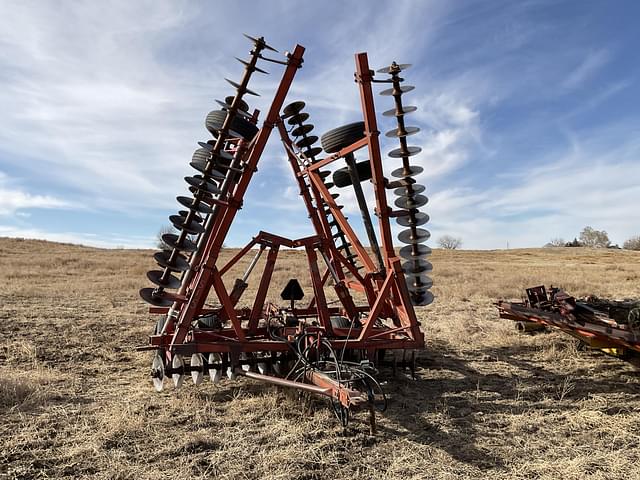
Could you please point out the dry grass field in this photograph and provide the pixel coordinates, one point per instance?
(76, 400)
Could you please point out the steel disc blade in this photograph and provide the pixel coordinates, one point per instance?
(419, 282)
(292, 109)
(254, 68)
(157, 372)
(198, 182)
(415, 220)
(242, 105)
(344, 246)
(324, 174)
(201, 166)
(302, 130)
(404, 191)
(215, 367)
(260, 41)
(307, 142)
(193, 204)
(412, 252)
(422, 298)
(407, 236)
(179, 263)
(403, 89)
(401, 152)
(194, 228)
(298, 118)
(409, 203)
(245, 90)
(197, 368)
(170, 282)
(197, 218)
(403, 182)
(178, 377)
(412, 171)
(329, 185)
(171, 239)
(242, 110)
(396, 133)
(405, 110)
(158, 299)
(416, 267)
(394, 67)
(312, 152)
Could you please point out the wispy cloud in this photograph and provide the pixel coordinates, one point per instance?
(590, 64)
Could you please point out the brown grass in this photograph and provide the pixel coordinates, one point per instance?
(76, 401)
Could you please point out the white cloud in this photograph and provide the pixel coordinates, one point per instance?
(13, 199)
(590, 64)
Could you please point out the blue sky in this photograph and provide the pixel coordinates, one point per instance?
(529, 111)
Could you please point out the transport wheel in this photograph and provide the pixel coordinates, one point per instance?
(239, 126)
(341, 137)
(342, 178)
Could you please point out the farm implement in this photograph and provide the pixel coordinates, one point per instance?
(326, 349)
(607, 325)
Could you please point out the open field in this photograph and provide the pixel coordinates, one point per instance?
(76, 400)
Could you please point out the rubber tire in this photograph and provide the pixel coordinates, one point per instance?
(342, 137)
(342, 178)
(239, 125)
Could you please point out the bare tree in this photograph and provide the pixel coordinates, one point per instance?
(594, 238)
(632, 243)
(449, 242)
(555, 242)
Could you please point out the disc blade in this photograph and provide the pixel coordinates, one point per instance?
(397, 133)
(422, 299)
(394, 67)
(197, 368)
(194, 228)
(399, 113)
(312, 152)
(240, 89)
(179, 263)
(171, 239)
(407, 236)
(158, 299)
(169, 282)
(192, 204)
(415, 220)
(197, 218)
(411, 252)
(403, 182)
(242, 107)
(409, 203)
(178, 377)
(302, 130)
(416, 267)
(329, 185)
(254, 68)
(292, 109)
(260, 41)
(208, 148)
(419, 282)
(412, 171)
(403, 89)
(215, 367)
(401, 152)
(404, 191)
(157, 372)
(298, 118)
(198, 182)
(307, 142)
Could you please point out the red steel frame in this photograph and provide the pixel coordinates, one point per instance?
(386, 291)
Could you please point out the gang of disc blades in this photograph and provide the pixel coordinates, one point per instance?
(237, 85)
(302, 130)
(292, 109)
(307, 142)
(419, 282)
(408, 203)
(422, 299)
(157, 367)
(404, 191)
(170, 282)
(312, 152)
(407, 236)
(171, 239)
(193, 204)
(198, 182)
(415, 267)
(417, 219)
(298, 118)
(411, 172)
(193, 228)
(396, 133)
(389, 91)
(405, 110)
(408, 252)
(401, 152)
(158, 299)
(260, 41)
(394, 67)
(179, 263)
